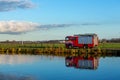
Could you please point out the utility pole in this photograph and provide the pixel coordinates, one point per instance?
(22, 42)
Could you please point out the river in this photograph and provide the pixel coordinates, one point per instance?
(43, 67)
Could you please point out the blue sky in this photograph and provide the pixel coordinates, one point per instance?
(54, 19)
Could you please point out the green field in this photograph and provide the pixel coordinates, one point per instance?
(53, 45)
(109, 45)
(31, 45)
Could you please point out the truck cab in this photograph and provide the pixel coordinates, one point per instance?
(70, 41)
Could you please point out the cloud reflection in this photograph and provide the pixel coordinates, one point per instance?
(15, 77)
(17, 59)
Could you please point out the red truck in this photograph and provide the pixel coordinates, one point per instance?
(81, 41)
(81, 62)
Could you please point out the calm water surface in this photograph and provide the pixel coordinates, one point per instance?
(39, 67)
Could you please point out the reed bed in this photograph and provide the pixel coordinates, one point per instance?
(50, 49)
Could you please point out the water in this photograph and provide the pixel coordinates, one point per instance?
(39, 67)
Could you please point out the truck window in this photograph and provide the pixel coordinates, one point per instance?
(72, 38)
(66, 38)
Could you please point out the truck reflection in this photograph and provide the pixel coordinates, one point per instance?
(82, 62)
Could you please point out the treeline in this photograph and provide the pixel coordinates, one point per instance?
(115, 40)
(32, 42)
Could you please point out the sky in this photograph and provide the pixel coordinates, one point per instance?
(37, 20)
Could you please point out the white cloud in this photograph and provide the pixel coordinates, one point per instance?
(19, 27)
(8, 5)
(16, 27)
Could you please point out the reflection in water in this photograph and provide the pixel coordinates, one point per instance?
(87, 60)
(82, 62)
(17, 59)
(15, 77)
(41, 67)
(22, 59)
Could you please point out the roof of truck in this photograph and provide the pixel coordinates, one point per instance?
(87, 34)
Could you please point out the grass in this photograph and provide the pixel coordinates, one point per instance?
(109, 45)
(42, 45)
(51, 45)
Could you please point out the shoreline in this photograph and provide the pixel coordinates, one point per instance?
(57, 51)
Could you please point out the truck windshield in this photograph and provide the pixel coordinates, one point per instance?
(70, 38)
(67, 38)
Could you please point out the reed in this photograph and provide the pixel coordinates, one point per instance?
(51, 49)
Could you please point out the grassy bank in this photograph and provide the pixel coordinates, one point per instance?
(54, 49)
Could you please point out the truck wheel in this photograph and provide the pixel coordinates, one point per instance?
(70, 46)
(95, 46)
(85, 47)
